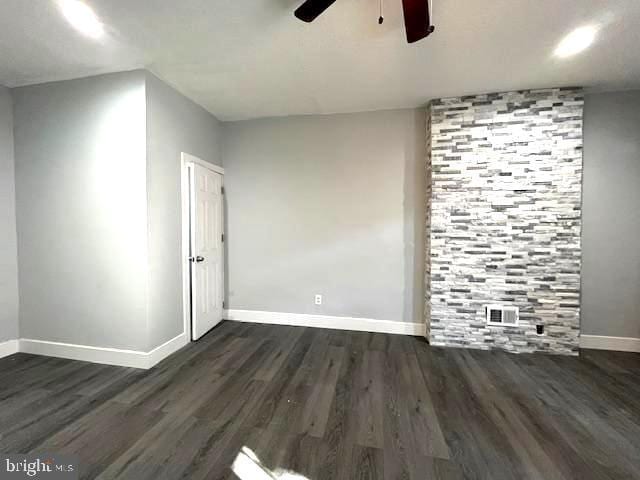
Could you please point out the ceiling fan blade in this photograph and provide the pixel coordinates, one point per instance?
(417, 21)
(309, 10)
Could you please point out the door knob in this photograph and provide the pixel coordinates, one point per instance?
(197, 259)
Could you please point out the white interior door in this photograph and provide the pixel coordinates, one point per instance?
(206, 256)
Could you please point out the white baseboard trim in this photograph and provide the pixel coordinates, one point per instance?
(109, 356)
(161, 352)
(326, 321)
(621, 344)
(9, 348)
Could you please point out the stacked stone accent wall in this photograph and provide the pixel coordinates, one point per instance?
(505, 178)
(427, 266)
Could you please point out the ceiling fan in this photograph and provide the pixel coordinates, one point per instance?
(417, 21)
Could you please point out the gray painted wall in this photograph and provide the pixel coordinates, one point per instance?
(174, 125)
(611, 215)
(331, 205)
(8, 241)
(81, 209)
(324, 204)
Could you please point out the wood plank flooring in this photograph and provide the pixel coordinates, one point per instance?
(330, 405)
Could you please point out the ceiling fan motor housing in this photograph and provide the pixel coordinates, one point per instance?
(417, 20)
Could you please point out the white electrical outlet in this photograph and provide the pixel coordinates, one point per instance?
(318, 299)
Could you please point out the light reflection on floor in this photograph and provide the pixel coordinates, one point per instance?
(247, 466)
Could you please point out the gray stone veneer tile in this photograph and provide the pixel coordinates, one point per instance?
(504, 177)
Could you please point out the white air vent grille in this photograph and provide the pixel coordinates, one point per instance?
(501, 315)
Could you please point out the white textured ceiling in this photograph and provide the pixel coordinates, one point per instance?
(251, 58)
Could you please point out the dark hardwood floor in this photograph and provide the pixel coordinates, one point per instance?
(330, 405)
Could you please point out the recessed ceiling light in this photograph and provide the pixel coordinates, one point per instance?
(577, 41)
(82, 18)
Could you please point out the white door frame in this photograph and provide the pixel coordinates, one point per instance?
(186, 182)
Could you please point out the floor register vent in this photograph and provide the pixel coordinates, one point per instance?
(501, 315)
